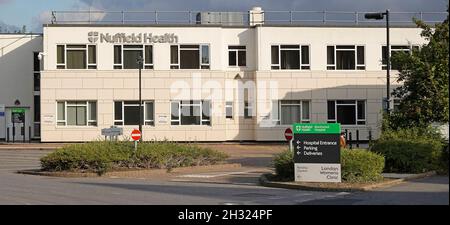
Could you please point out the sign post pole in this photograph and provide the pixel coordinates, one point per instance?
(288, 135)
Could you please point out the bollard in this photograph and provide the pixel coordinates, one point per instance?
(350, 140)
(357, 138)
(13, 133)
(7, 134)
(22, 131)
(29, 134)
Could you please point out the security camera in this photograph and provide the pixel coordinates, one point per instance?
(41, 56)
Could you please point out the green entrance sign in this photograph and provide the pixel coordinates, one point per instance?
(18, 110)
(317, 128)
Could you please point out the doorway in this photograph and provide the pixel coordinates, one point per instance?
(17, 125)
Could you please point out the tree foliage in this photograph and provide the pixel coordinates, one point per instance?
(424, 95)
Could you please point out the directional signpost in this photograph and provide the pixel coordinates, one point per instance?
(317, 152)
(112, 132)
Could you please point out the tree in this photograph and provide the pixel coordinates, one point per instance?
(424, 94)
(24, 29)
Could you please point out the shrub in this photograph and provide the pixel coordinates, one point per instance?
(102, 156)
(357, 165)
(284, 165)
(410, 150)
(360, 165)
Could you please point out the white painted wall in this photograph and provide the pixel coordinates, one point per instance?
(16, 72)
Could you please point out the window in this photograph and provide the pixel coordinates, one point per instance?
(237, 56)
(36, 72)
(345, 57)
(189, 57)
(190, 112)
(395, 49)
(76, 57)
(287, 112)
(126, 56)
(127, 113)
(290, 57)
(347, 112)
(248, 105)
(229, 110)
(76, 113)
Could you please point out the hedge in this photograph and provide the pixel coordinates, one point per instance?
(411, 151)
(357, 165)
(102, 156)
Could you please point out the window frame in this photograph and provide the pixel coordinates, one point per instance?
(355, 104)
(207, 121)
(63, 66)
(236, 51)
(145, 65)
(177, 66)
(358, 67)
(300, 103)
(302, 66)
(409, 50)
(89, 121)
(231, 117)
(145, 121)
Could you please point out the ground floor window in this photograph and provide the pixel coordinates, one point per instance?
(127, 113)
(229, 110)
(76, 113)
(190, 112)
(347, 112)
(287, 112)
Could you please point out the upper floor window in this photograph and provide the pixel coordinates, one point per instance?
(287, 112)
(237, 56)
(394, 50)
(190, 112)
(347, 112)
(127, 113)
(76, 57)
(76, 113)
(345, 57)
(126, 56)
(189, 57)
(290, 57)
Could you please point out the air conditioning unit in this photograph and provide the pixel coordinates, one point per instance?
(221, 18)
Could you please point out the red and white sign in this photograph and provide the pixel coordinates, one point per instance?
(136, 135)
(288, 134)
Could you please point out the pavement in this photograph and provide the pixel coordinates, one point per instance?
(229, 186)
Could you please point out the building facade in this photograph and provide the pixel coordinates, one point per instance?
(206, 82)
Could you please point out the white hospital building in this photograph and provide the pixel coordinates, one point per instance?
(217, 77)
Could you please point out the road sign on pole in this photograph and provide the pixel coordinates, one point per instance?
(136, 135)
(317, 152)
(288, 135)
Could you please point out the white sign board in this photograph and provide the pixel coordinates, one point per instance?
(48, 118)
(317, 172)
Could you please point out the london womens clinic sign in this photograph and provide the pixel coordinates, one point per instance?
(133, 38)
(317, 152)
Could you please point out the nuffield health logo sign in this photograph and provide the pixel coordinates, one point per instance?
(133, 38)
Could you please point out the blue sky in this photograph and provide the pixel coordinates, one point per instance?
(33, 13)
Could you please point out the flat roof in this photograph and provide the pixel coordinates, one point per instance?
(237, 26)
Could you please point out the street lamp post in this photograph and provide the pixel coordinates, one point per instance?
(140, 62)
(380, 16)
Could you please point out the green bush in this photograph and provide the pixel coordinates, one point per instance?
(102, 156)
(360, 165)
(357, 165)
(284, 165)
(410, 150)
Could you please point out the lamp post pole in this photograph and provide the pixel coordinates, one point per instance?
(380, 16)
(388, 70)
(139, 61)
